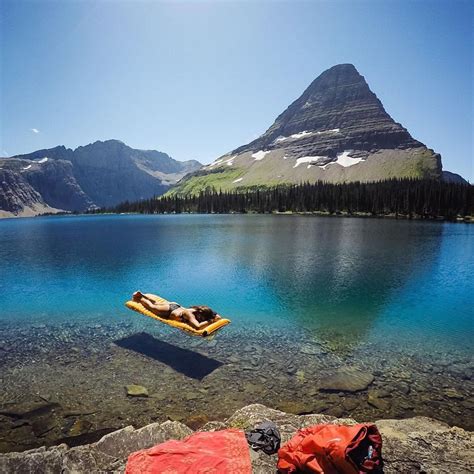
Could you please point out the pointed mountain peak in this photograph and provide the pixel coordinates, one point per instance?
(340, 69)
(339, 100)
(336, 131)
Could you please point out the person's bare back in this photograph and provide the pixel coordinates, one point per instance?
(196, 316)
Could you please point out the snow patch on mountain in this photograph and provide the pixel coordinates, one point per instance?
(259, 155)
(307, 159)
(305, 133)
(221, 161)
(344, 159)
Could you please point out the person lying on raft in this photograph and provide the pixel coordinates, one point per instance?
(196, 316)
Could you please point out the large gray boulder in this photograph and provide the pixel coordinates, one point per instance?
(422, 444)
(109, 454)
(413, 445)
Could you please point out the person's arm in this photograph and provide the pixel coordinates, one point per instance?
(194, 322)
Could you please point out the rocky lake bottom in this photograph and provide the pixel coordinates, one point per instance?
(67, 382)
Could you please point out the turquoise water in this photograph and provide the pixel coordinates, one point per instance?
(346, 280)
(310, 298)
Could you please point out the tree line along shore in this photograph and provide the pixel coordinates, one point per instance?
(404, 198)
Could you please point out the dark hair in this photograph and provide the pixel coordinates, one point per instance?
(203, 313)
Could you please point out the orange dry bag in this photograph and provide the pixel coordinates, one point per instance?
(333, 449)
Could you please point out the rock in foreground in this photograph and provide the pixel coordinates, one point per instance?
(413, 445)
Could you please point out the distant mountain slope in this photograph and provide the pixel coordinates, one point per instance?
(100, 174)
(450, 177)
(336, 131)
(18, 198)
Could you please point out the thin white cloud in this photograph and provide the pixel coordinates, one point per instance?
(34, 130)
(4, 153)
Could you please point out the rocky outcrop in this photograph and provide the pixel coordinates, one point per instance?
(336, 131)
(52, 180)
(100, 174)
(413, 445)
(18, 197)
(56, 183)
(108, 454)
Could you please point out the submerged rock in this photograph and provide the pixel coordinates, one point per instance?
(348, 379)
(136, 391)
(195, 422)
(350, 404)
(310, 349)
(27, 409)
(377, 402)
(43, 425)
(453, 393)
(77, 427)
(294, 407)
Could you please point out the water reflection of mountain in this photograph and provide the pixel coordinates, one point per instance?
(334, 275)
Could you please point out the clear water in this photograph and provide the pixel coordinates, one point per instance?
(346, 280)
(309, 297)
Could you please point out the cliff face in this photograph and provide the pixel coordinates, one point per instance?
(336, 131)
(100, 174)
(56, 183)
(18, 197)
(346, 113)
(413, 445)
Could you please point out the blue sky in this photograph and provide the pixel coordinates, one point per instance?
(197, 79)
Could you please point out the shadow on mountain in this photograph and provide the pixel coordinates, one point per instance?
(189, 363)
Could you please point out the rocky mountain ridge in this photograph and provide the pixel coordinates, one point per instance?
(17, 196)
(99, 174)
(417, 444)
(336, 112)
(336, 131)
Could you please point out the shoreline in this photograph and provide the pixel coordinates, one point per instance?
(417, 444)
(64, 391)
(359, 215)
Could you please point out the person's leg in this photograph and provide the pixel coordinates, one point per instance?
(138, 295)
(161, 309)
(153, 298)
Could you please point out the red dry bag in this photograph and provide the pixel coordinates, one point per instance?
(333, 449)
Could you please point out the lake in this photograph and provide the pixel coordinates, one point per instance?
(370, 318)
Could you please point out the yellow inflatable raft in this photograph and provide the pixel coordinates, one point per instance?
(204, 332)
